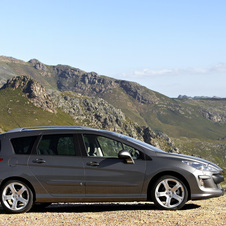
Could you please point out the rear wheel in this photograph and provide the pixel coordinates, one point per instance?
(16, 197)
(169, 193)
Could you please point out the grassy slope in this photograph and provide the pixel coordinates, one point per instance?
(5, 71)
(178, 125)
(175, 119)
(27, 69)
(10, 69)
(214, 151)
(17, 111)
(119, 99)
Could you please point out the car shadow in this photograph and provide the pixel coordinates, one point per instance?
(100, 207)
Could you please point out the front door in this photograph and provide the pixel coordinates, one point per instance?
(107, 176)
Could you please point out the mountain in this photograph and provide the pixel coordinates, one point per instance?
(176, 117)
(25, 102)
(86, 98)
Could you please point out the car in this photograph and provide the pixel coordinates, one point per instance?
(44, 165)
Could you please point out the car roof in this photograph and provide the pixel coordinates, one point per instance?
(48, 128)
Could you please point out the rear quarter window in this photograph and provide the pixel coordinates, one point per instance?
(23, 145)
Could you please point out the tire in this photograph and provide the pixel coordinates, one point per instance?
(16, 197)
(169, 193)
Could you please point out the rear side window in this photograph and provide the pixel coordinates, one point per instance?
(57, 145)
(23, 145)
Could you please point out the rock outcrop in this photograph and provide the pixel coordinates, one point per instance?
(38, 65)
(33, 90)
(213, 116)
(138, 92)
(73, 79)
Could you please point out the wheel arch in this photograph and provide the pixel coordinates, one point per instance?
(170, 173)
(22, 180)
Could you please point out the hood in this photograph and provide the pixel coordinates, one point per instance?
(187, 158)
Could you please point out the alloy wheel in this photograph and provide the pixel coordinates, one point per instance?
(170, 193)
(16, 197)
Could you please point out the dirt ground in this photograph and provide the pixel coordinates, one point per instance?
(206, 212)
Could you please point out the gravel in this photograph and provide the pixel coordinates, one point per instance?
(205, 212)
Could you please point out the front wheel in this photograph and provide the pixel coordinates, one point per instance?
(16, 197)
(169, 193)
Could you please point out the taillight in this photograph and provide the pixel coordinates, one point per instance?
(1, 159)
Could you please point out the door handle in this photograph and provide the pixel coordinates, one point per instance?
(39, 161)
(92, 164)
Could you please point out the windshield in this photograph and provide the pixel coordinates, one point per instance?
(135, 141)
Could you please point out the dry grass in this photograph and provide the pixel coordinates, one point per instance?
(206, 212)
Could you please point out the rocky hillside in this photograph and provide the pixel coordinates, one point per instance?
(213, 109)
(176, 117)
(86, 111)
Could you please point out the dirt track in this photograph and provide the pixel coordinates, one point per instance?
(206, 212)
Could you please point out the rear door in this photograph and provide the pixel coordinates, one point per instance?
(58, 166)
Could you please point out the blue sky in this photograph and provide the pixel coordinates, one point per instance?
(170, 46)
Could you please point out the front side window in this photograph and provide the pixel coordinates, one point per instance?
(98, 146)
(57, 145)
(23, 145)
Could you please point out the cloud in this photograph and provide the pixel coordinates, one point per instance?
(220, 68)
(193, 81)
(217, 69)
(154, 72)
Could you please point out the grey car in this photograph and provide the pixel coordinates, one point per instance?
(44, 165)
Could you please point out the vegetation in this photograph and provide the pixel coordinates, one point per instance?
(17, 111)
(197, 126)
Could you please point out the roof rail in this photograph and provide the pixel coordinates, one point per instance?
(46, 127)
(15, 130)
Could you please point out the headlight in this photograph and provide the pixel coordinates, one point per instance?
(201, 166)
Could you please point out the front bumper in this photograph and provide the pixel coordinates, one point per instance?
(218, 178)
(208, 186)
(208, 194)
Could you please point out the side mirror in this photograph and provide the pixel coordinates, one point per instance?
(123, 154)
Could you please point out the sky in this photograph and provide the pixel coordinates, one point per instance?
(175, 47)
